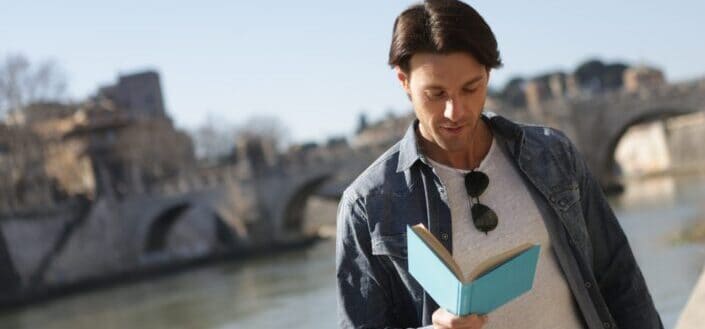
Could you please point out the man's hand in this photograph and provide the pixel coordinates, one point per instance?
(443, 319)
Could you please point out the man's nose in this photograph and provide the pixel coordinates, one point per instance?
(453, 110)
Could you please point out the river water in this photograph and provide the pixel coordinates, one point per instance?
(296, 289)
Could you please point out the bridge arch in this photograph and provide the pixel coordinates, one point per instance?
(216, 233)
(228, 234)
(609, 167)
(159, 228)
(293, 216)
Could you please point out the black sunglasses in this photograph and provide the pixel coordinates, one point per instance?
(484, 218)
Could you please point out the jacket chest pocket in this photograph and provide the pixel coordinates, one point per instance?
(404, 293)
(568, 206)
(566, 197)
(391, 252)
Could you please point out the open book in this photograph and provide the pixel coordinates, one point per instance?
(494, 282)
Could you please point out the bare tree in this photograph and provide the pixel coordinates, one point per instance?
(267, 129)
(214, 139)
(154, 148)
(23, 83)
(260, 142)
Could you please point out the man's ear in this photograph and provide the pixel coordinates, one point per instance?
(403, 79)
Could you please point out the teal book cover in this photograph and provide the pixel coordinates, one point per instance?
(493, 283)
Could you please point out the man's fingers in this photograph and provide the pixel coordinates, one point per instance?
(468, 322)
(443, 319)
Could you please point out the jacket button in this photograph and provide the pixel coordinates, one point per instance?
(589, 285)
(444, 236)
(607, 325)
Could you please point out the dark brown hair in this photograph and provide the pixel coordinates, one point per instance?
(442, 26)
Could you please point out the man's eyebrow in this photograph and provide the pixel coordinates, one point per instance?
(469, 82)
(474, 80)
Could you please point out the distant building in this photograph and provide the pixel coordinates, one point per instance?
(595, 77)
(22, 158)
(37, 112)
(139, 95)
(590, 78)
(536, 93)
(100, 147)
(384, 132)
(640, 77)
(336, 142)
(555, 85)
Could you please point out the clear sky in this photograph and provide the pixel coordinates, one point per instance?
(317, 64)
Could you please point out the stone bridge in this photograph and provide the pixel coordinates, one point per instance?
(597, 123)
(111, 237)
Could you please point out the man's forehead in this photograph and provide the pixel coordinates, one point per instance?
(434, 78)
(446, 68)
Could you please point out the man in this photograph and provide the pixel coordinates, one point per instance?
(538, 191)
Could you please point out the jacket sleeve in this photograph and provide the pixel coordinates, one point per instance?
(617, 273)
(363, 301)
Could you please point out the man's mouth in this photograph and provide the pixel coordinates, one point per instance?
(452, 130)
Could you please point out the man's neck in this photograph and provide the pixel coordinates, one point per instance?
(466, 159)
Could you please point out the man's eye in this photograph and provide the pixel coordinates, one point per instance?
(470, 90)
(435, 94)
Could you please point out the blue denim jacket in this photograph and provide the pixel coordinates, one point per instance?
(375, 289)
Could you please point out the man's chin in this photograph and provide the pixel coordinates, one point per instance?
(452, 146)
(452, 142)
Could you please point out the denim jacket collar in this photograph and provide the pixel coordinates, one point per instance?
(409, 151)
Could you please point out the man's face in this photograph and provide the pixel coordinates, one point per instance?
(448, 94)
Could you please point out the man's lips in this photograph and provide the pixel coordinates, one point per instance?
(452, 130)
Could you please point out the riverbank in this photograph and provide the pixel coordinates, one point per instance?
(693, 316)
(43, 294)
(694, 233)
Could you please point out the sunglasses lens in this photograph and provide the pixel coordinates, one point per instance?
(475, 183)
(485, 219)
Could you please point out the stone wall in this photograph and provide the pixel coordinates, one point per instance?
(30, 240)
(686, 142)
